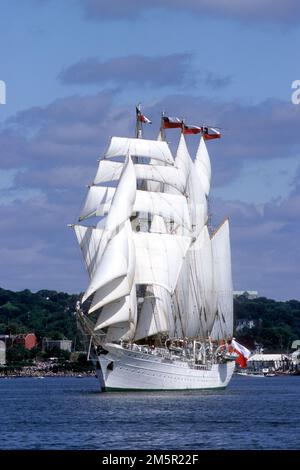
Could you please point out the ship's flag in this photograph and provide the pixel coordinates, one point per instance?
(210, 133)
(242, 352)
(171, 122)
(191, 129)
(142, 118)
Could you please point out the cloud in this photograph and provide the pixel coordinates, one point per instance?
(73, 131)
(216, 81)
(140, 70)
(173, 70)
(264, 131)
(38, 250)
(268, 11)
(265, 246)
(54, 151)
(60, 177)
(72, 109)
(68, 131)
(12, 144)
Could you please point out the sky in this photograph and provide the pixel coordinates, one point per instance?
(74, 71)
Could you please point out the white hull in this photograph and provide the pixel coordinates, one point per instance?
(124, 369)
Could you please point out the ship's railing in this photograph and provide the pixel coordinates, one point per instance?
(144, 349)
(166, 354)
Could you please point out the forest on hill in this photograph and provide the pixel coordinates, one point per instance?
(275, 325)
(45, 313)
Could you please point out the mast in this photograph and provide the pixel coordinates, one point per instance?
(162, 127)
(209, 213)
(138, 126)
(138, 221)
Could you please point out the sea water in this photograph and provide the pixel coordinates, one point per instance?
(70, 413)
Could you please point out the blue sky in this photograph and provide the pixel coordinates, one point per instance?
(74, 70)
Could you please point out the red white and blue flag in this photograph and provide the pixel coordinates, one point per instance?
(142, 118)
(210, 133)
(242, 352)
(171, 122)
(191, 129)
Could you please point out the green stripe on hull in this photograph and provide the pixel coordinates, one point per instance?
(114, 389)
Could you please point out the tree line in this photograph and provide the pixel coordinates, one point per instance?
(51, 314)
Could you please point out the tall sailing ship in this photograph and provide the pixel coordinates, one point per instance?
(158, 309)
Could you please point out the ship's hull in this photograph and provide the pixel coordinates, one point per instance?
(123, 370)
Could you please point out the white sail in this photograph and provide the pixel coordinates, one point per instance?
(203, 266)
(158, 225)
(115, 312)
(171, 176)
(118, 286)
(111, 263)
(223, 326)
(195, 297)
(119, 311)
(158, 150)
(157, 314)
(125, 330)
(110, 171)
(124, 197)
(165, 303)
(203, 166)
(183, 160)
(197, 203)
(98, 201)
(152, 318)
(154, 185)
(159, 258)
(196, 195)
(88, 239)
(170, 206)
(113, 290)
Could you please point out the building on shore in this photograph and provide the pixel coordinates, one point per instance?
(268, 362)
(243, 323)
(2, 353)
(27, 340)
(62, 344)
(249, 294)
(295, 356)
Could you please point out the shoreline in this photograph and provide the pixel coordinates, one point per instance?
(42, 376)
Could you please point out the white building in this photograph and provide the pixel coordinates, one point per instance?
(2, 353)
(250, 294)
(267, 361)
(244, 323)
(62, 344)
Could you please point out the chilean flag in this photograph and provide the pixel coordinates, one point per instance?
(142, 118)
(191, 129)
(242, 352)
(209, 133)
(171, 122)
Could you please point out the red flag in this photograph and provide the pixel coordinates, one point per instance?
(242, 352)
(142, 118)
(209, 133)
(191, 129)
(171, 122)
